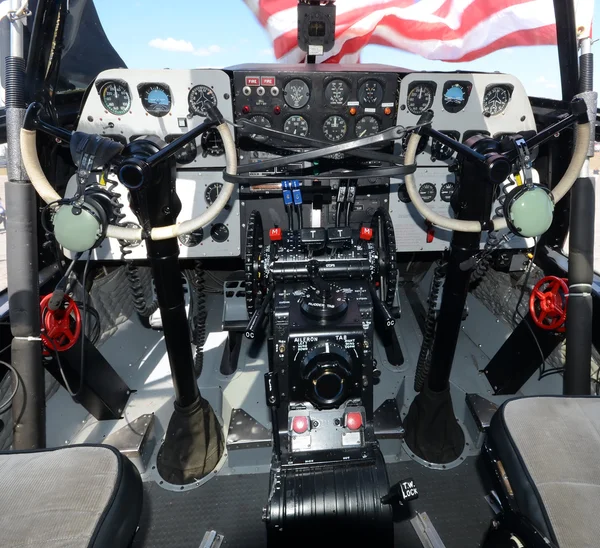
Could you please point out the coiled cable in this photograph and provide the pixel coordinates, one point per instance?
(424, 361)
(199, 335)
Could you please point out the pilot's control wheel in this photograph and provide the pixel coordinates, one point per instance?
(254, 269)
(385, 246)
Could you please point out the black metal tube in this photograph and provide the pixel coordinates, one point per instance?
(566, 40)
(169, 293)
(29, 412)
(586, 72)
(576, 380)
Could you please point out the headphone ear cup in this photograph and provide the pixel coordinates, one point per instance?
(517, 194)
(93, 207)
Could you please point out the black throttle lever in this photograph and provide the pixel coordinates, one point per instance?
(258, 317)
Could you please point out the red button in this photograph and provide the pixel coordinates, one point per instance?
(366, 233)
(245, 109)
(300, 424)
(252, 81)
(353, 421)
(275, 234)
(277, 109)
(267, 80)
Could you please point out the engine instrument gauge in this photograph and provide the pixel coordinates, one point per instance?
(495, 100)
(219, 233)
(115, 98)
(156, 99)
(367, 126)
(193, 239)
(440, 151)
(337, 93)
(420, 99)
(403, 194)
(200, 98)
(334, 128)
(211, 142)
(370, 93)
(186, 154)
(296, 125)
(296, 93)
(455, 96)
(261, 121)
(447, 191)
(212, 192)
(428, 192)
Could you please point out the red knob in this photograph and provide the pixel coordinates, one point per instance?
(548, 303)
(60, 328)
(366, 233)
(275, 234)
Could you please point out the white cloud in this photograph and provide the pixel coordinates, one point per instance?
(268, 52)
(170, 44)
(210, 50)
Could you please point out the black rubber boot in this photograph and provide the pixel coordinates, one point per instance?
(193, 444)
(432, 432)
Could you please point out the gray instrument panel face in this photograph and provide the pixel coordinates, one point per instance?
(221, 238)
(432, 177)
(96, 118)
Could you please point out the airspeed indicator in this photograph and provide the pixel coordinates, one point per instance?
(296, 125)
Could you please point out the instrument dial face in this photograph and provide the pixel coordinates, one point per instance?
(428, 192)
(219, 233)
(447, 191)
(370, 93)
(420, 99)
(337, 93)
(212, 192)
(367, 126)
(440, 151)
(115, 98)
(200, 98)
(456, 95)
(185, 155)
(193, 239)
(334, 128)
(296, 93)
(261, 121)
(495, 100)
(296, 125)
(211, 142)
(156, 99)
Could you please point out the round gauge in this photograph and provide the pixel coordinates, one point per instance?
(337, 93)
(156, 99)
(212, 192)
(420, 147)
(455, 96)
(370, 93)
(296, 93)
(261, 121)
(219, 233)
(211, 142)
(296, 125)
(420, 99)
(403, 194)
(495, 100)
(447, 191)
(428, 192)
(367, 126)
(186, 154)
(334, 128)
(115, 98)
(439, 151)
(200, 98)
(192, 239)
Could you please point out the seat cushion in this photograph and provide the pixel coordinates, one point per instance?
(550, 450)
(72, 497)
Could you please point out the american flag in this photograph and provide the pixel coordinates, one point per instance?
(448, 30)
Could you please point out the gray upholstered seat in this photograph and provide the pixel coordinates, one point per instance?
(73, 497)
(550, 449)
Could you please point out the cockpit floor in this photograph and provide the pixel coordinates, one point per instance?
(232, 505)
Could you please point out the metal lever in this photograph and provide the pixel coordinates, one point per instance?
(402, 492)
(381, 309)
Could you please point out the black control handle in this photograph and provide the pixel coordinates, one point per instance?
(402, 492)
(257, 319)
(381, 309)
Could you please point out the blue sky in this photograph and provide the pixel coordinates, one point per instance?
(220, 33)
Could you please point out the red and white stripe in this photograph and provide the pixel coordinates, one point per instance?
(448, 30)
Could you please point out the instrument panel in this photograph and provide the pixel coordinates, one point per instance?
(329, 103)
